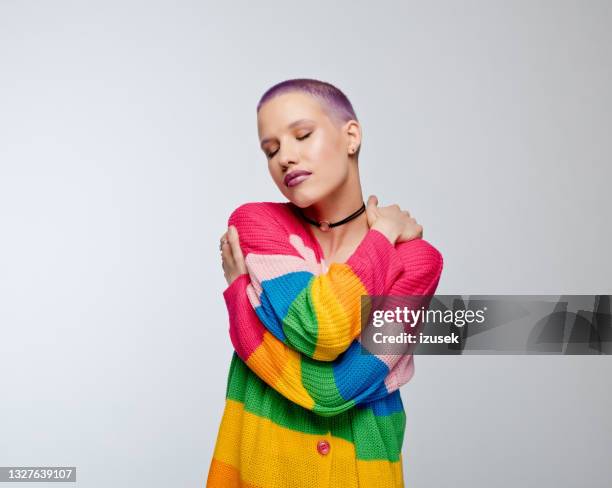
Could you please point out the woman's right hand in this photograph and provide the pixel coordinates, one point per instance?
(232, 260)
(396, 224)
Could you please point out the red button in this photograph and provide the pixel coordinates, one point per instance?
(323, 447)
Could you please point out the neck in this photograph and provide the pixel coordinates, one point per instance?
(348, 198)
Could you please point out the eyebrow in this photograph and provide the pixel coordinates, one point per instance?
(290, 126)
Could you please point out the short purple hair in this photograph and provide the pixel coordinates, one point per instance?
(333, 101)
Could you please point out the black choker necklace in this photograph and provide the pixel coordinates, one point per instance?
(325, 225)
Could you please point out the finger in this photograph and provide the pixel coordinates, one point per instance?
(234, 241)
(372, 201)
(223, 241)
(227, 263)
(225, 247)
(226, 255)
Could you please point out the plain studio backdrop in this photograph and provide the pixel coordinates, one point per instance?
(128, 135)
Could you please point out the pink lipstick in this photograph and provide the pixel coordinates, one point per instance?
(296, 177)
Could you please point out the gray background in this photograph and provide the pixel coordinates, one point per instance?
(127, 136)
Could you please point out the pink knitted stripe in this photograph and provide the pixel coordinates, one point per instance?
(249, 339)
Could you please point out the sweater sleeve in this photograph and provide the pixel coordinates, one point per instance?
(329, 387)
(318, 315)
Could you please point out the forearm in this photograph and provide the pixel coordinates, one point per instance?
(326, 388)
(317, 314)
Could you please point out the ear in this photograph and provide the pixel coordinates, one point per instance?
(352, 132)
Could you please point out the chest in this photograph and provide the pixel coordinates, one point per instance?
(341, 256)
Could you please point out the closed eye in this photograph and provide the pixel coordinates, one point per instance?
(298, 138)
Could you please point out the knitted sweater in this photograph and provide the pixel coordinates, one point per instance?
(304, 407)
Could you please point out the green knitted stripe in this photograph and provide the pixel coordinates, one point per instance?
(263, 401)
(378, 437)
(314, 375)
(299, 317)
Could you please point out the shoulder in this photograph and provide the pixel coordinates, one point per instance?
(420, 253)
(263, 228)
(265, 217)
(257, 211)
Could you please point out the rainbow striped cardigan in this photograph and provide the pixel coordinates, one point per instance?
(297, 380)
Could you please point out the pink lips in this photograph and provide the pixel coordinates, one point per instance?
(296, 177)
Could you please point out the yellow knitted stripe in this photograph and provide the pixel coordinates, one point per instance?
(281, 368)
(381, 474)
(336, 311)
(261, 451)
(222, 475)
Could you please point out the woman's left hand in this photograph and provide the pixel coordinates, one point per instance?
(233, 261)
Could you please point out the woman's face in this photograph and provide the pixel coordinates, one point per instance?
(296, 134)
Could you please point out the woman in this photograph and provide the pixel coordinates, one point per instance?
(304, 408)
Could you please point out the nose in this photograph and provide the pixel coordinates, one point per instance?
(287, 155)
